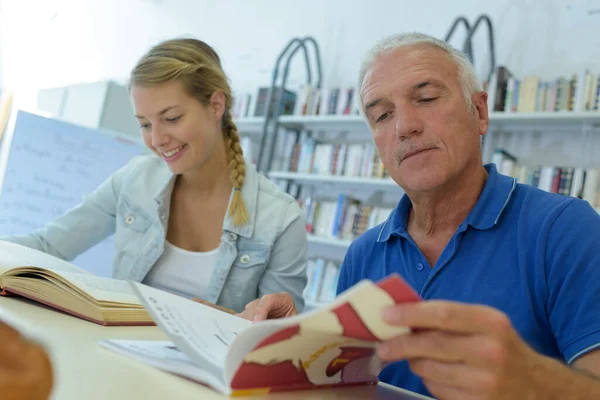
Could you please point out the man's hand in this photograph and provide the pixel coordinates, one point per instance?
(270, 306)
(466, 352)
(25, 370)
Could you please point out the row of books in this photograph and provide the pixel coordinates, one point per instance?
(303, 154)
(506, 92)
(332, 101)
(578, 92)
(346, 218)
(322, 280)
(583, 183)
(308, 100)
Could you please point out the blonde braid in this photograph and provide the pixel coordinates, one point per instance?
(237, 171)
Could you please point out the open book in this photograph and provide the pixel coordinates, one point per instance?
(41, 277)
(331, 346)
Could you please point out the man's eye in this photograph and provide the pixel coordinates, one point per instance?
(428, 99)
(382, 117)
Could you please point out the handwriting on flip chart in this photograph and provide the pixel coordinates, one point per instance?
(51, 165)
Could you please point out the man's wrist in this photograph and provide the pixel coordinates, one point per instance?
(554, 380)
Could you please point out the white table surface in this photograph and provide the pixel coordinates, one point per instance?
(84, 370)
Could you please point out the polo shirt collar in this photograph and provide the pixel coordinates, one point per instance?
(488, 210)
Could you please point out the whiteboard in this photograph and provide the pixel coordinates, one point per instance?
(47, 166)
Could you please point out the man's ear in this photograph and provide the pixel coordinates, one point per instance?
(217, 104)
(480, 104)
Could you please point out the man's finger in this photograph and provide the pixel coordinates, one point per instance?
(442, 391)
(448, 316)
(432, 345)
(456, 375)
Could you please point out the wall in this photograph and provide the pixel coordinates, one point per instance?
(49, 43)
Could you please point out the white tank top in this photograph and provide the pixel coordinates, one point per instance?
(182, 272)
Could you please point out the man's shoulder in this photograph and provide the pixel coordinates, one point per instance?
(539, 204)
(550, 212)
(369, 241)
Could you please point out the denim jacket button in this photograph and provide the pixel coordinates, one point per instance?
(232, 236)
(245, 259)
(129, 219)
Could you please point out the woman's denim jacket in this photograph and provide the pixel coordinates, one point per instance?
(266, 255)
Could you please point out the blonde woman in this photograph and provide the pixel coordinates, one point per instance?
(194, 219)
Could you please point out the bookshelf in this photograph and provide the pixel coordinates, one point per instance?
(329, 241)
(562, 126)
(348, 181)
(250, 125)
(344, 123)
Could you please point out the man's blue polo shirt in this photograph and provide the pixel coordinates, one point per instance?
(531, 254)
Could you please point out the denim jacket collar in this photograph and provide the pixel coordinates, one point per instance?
(249, 193)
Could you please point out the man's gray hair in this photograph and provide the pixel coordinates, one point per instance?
(467, 77)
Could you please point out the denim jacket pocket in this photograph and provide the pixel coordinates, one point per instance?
(247, 259)
(245, 273)
(130, 217)
(131, 237)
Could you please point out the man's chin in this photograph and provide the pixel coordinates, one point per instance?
(422, 182)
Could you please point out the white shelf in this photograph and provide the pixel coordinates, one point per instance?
(250, 125)
(327, 123)
(567, 116)
(341, 123)
(319, 179)
(544, 120)
(318, 123)
(327, 241)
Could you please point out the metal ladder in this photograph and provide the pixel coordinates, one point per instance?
(268, 140)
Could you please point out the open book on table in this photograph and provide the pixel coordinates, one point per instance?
(331, 346)
(46, 279)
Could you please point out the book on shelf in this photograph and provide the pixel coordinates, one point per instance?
(322, 280)
(583, 183)
(330, 346)
(326, 101)
(578, 92)
(284, 99)
(346, 218)
(303, 154)
(247, 105)
(249, 149)
(61, 285)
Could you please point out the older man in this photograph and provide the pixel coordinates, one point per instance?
(518, 268)
(25, 370)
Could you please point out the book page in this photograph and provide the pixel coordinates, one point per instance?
(202, 332)
(103, 289)
(165, 356)
(13, 255)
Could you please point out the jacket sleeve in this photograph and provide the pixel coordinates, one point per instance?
(81, 227)
(286, 269)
